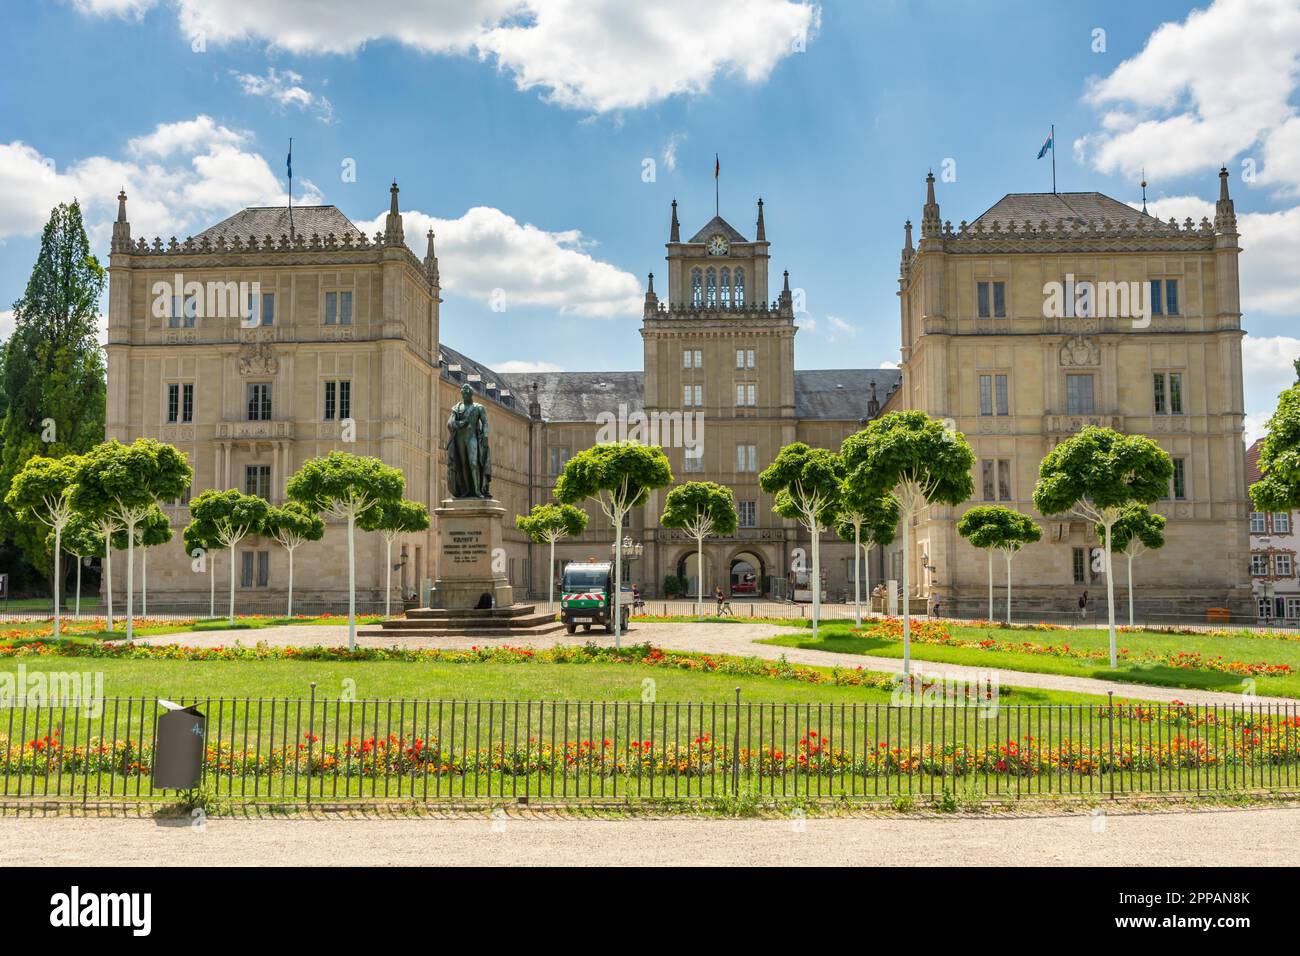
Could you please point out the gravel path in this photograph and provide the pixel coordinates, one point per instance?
(717, 638)
(1253, 837)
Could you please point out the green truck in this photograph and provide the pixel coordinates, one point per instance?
(587, 597)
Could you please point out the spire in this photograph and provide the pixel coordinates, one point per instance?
(675, 231)
(431, 260)
(785, 303)
(1225, 213)
(393, 235)
(785, 290)
(931, 225)
(1144, 192)
(650, 285)
(905, 258)
(121, 229)
(651, 300)
(761, 235)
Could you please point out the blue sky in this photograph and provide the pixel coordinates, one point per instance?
(519, 129)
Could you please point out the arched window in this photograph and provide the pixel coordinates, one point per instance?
(739, 297)
(726, 288)
(697, 287)
(711, 288)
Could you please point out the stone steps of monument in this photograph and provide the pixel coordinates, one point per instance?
(439, 613)
(397, 635)
(467, 622)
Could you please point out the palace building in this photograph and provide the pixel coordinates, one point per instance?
(342, 351)
(1047, 312)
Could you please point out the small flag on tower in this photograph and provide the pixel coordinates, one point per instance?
(717, 166)
(1047, 144)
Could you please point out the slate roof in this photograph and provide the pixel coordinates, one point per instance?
(470, 368)
(1074, 208)
(717, 224)
(841, 394)
(579, 396)
(273, 221)
(1253, 473)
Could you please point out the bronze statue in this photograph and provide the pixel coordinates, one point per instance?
(469, 460)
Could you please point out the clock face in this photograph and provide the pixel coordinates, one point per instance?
(718, 245)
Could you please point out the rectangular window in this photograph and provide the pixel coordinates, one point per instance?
(558, 458)
(259, 401)
(268, 308)
(1180, 478)
(693, 396)
(1282, 522)
(254, 569)
(338, 400)
(991, 299)
(740, 395)
(1259, 564)
(1176, 393)
(747, 458)
(999, 300)
(1004, 479)
(331, 400)
(1257, 525)
(1157, 304)
(986, 394)
(688, 358)
(173, 403)
(1282, 565)
(338, 308)
(995, 479)
(1158, 382)
(257, 481)
(699, 396)
(1080, 565)
(1000, 394)
(982, 299)
(187, 402)
(993, 395)
(693, 459)
(740, 358)
(345, 399)
(987, 478)
(1078, 395)
(747, 513)
(1171, 297)
(1293, 607)
(246, 559)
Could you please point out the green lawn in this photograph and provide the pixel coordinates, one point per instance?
(883, 641)
(93, 630)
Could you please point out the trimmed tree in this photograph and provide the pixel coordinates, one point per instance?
(81, 539)
(127, 482)
(293, 526)
(346, 487)
(154, 529)
(1137, 531)
(700, 508)
(996, 528)
(920, 462)
(41, 493)
(197, 543)
(620, 476)
(227, 518)
(866, 523)
(1096, 474)
(547, 524)
(393, 519)
(806, 484)
(1279, 457)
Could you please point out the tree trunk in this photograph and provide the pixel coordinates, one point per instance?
(857, 576)
(232, 584)
(289, 611)
(130, 582)
(1110, 599)
(617, 602)
(990, 554)
(550, 578)
(78, 610)
(352, 582)
(108, 561)
(817, 578)
(866, 563)
(699, 577)
(1010, 555)
(144, 581)
(907, 604)
(1130, 590)
(58, 539)
(388, 578)
(212, 584)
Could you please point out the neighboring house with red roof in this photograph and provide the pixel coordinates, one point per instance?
(1274, 543)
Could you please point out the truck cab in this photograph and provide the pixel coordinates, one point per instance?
(587, 597)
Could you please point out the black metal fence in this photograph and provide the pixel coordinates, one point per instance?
(287, 750)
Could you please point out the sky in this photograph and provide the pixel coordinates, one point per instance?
(544, 140)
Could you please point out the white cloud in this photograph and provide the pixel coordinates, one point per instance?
(597, 55)
(490, 256)
(6, 324)
(805, 321)
(891, 365)
(839, 328)
(180, 177)
(1202, 91)
(1268, 368)
(670, 150)
(523, 365)
(285, 89)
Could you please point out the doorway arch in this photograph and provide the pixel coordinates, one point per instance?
(687, 569)
(746, 575)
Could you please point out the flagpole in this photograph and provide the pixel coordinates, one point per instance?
(717, 168)
(1053, 158)
(290, 170)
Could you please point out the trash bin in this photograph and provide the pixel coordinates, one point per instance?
(178, 747)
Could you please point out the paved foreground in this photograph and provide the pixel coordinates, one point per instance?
(1265, 837)
(714, 638)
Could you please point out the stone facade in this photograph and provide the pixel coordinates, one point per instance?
(1274, 556)
(986, 344)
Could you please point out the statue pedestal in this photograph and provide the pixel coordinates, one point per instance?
(469, 538)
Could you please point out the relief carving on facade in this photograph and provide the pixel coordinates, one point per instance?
(1080, 351)
(259, 359)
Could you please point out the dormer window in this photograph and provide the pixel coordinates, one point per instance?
(454, 371)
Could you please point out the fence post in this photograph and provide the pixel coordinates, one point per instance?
(311, 737)
(1110, 737)
(735, 751)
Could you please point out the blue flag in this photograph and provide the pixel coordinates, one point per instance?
(1047, 144)
(288, 160)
